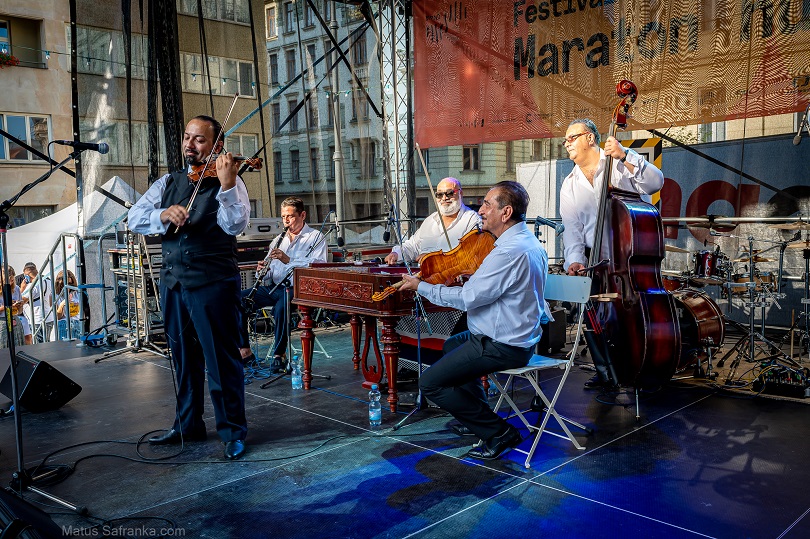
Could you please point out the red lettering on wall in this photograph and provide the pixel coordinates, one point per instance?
(712, 191)
(671, 198)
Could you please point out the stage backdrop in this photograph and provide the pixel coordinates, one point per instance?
(494, 70)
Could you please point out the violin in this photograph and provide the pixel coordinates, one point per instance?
(439, 267)
(198, 171)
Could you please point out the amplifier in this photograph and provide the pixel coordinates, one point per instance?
(782, 381)
(262, 228)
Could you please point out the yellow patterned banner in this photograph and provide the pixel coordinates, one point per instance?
(492, 70)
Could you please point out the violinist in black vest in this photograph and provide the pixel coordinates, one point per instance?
(200, 284)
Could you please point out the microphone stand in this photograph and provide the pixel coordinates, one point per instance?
(21, 480)
(287, 303)
(419, 313)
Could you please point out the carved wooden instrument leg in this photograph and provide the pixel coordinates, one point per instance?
(372, 373)
(390, 339)
(357, 330)
(307, 340)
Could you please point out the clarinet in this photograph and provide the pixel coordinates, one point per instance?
(248, 300)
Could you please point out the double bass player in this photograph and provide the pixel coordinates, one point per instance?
(579, 204)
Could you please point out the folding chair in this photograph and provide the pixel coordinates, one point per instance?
(561, 288)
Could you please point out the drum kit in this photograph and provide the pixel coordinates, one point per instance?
(701, 321)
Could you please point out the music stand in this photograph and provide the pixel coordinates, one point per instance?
(20, 479)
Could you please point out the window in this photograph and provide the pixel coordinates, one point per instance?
(101, 52)
(33, 130)
(312, 111)
(368, 163)
(224, 10)
(271, 22)
(227, 76)
(314, 163)
(242, 144)
(116, 134)
(426, 157)
(272, 62)
(277, 174)
(295, 172)
(327, 10)
(290, 58)
(309, 18)
(329, 53)
(20, 215)
(510, 156)
(254, 208)
(471, 156)
(332, 162)
(292, 103)
(289, 17)
(276, 108)
(359, 106)
(359, 51)
(22, 38)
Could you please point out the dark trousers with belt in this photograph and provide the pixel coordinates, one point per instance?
(278, 301)
(202, 328)
(453, 382)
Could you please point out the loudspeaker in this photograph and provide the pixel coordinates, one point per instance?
(42, 388)
(19, 518)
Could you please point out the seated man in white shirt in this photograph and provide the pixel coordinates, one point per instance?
(300, 246)
(579, 197)
(505, 306)
(457, 217)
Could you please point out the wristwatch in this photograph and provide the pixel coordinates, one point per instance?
(623, 159)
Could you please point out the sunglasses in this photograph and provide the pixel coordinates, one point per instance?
(571, 138)
(448, 194)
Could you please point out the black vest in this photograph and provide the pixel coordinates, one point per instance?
(200, 252)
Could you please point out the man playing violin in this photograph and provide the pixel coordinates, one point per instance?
(458, 219)
(579, 197)
(300, 246)
(504, 304)
(200, 284)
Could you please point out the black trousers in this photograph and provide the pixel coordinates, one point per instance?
(202, 328)
(453, 381)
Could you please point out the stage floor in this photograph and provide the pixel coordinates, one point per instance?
(700, 463)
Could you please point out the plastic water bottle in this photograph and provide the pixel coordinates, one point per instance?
(374, 407)
(295, 375)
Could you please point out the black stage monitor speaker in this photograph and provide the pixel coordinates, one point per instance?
(42, 388)
(20, 519)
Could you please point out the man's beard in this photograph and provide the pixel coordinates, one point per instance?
(452, 209)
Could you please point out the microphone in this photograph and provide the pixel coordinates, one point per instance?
(558, 227)
(798, 138)
(340, 241)
(387, 233)
(101, 147)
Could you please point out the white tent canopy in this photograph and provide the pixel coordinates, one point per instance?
(33, 242)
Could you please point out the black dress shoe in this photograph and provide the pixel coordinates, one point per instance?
(596, 382)
(234, 449)
(248, 359)
(497, 446)
(173, 436)
(461, 430)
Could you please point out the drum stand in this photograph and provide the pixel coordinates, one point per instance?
(802, 322)
(752, 339)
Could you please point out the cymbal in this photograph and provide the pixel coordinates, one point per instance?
(706, 280)
(674, 249)
(799, 245)
(709, 223)
(671, 273)
(798, 225)
(757, 259)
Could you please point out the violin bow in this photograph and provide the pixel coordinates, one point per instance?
(210, 157)
(433, 196)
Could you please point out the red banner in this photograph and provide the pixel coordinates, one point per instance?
(494, 70)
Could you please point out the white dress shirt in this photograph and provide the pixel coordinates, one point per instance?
(232, 215)
(504, 297)
(299, 253)
(579, 199)
(430, 238)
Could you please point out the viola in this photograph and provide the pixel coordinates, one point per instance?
(635, 317)
(449, 267)
(201, 171)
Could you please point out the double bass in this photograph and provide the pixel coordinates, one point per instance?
(634, 317)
